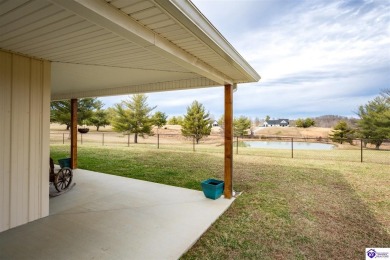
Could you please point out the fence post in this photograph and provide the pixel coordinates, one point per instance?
(193, 143)
(292, 147)
(63, 138)
(158, 141)
(103, 140)
(237, 145)
(361, 150)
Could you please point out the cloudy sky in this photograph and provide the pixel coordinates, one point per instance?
(315, 57)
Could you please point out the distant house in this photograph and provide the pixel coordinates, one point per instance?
(215, 123)
(277, 123)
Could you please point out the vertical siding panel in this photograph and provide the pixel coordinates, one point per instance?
(24, 139)
(45, 137)
(5, 144)
(35, 166)
(20, 129)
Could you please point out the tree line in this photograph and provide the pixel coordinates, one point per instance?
(134, 116)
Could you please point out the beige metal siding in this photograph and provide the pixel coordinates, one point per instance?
(24, 146)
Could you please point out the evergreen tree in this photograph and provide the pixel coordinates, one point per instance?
(99, 118)
(159, 119)
(267, 118)
(175, 120)
(179, 120)
(196, 122)
(60, 111)
(133, 116)
(86, 108)
(342, 132)
(172, 121)
(241, 125)
(374, 123)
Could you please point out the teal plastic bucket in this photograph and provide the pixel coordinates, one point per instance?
(212, 188)
(64, 162)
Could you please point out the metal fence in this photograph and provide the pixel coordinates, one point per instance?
(353, 150)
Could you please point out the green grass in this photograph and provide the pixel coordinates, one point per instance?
(289, 209)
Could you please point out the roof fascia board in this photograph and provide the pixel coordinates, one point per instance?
(189, 15)
(105, 15)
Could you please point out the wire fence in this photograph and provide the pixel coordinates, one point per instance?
(353, 150)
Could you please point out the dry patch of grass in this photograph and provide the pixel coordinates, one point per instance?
(311, 132)
(289, 209)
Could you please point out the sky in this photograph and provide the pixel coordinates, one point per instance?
(315, 57)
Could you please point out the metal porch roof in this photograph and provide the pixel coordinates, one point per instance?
(112, 47)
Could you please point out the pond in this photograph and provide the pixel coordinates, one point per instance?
(287, 145)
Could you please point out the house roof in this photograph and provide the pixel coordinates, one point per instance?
(277, 121)
(113, 47)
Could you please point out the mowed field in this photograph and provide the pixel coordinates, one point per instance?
(288, 209)
(312, 132)
(172, 134)
(169, 137)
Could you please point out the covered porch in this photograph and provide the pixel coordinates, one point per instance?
(111, 217)
(70, 49)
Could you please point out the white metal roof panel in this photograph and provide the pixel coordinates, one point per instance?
(127, 42)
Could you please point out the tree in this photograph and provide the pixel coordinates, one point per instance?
(85, 109)
(180, 120)
(374, 123)
(267, 118)
(221, 121)
(305, 123)
(159, 119)
(60, 111)
(257, 121)
(342, 132)
(133, 116)
(175, 120)
(172, 121)
(99, 118)
(111, 114)
(196, 122)
(241, 125)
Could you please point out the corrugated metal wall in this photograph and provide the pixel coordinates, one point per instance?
(24, 139)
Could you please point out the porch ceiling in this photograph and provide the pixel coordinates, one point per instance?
(115, 47)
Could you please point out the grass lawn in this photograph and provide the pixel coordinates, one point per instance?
(289, 208)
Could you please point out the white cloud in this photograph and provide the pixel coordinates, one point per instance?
(315, 57)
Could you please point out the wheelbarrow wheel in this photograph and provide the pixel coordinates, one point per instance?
(63, 179)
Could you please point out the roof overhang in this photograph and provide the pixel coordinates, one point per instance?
(113, 47)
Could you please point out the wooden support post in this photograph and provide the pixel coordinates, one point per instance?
(73, 134)
(292, 147)
(228, 190)
(237, 145)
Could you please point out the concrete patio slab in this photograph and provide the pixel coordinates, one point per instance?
(111, 217)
